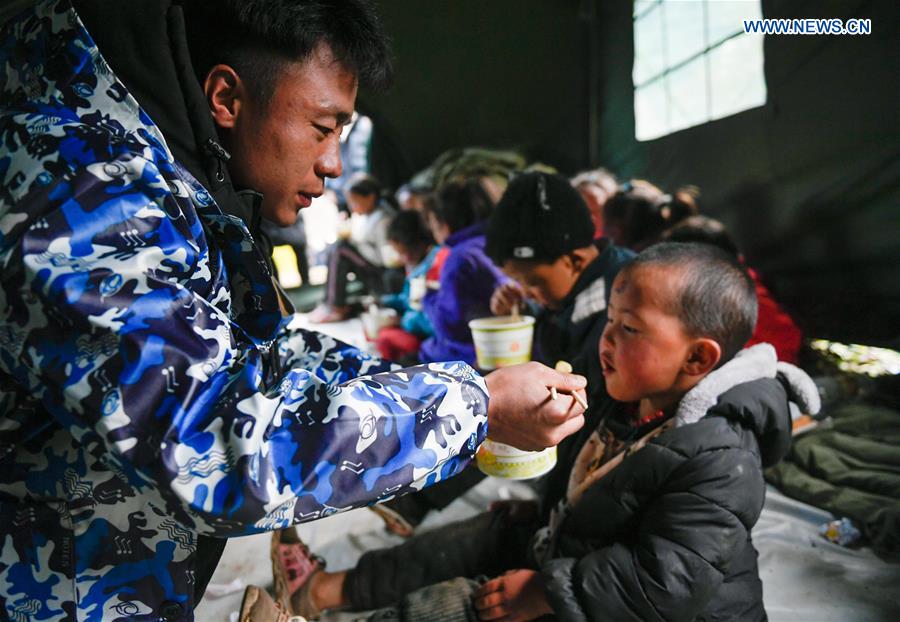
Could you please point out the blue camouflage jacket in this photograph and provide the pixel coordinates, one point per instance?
(149, 390)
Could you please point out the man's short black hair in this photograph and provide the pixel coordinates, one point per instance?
(715, 297)
(256, 37)
(409, 230)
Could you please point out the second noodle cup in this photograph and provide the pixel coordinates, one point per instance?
(500, 342)
(500, 460)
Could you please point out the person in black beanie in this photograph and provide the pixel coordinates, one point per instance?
(541, 235)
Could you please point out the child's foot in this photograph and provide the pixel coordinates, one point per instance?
(258, 606)
(293, 568)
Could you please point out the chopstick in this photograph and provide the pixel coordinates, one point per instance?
(566, 368)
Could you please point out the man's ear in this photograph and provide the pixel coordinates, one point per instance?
(703, 357)
(225, 94)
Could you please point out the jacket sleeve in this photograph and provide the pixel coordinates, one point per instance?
(677, 561)
(113, 315)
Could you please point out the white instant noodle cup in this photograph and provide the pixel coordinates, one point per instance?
(502, 341)
(500, 460)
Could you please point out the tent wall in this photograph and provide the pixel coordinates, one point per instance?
(495, 73)
(808, 183)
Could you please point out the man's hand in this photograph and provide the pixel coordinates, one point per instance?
(515, 597)
(505, 297)
(520, 411)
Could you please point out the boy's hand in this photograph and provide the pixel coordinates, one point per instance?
(515, 597)
(505, 296)
(520, 411)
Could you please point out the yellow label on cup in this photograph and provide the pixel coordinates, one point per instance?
(500, 460)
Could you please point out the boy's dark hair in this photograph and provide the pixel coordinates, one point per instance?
(461, 204)
(715, 296)
(257, 37)
(705, 230)
(409, 230)
(364, 184)
(540, 217)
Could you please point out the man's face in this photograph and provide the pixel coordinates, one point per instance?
(287, 148)
(644, 346)
(546, 282)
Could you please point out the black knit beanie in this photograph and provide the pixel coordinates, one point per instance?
(540, 217)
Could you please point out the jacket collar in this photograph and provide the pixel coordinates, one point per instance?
(753, 363)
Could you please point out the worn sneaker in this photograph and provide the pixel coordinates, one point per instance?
(258, 606)
(292, 568)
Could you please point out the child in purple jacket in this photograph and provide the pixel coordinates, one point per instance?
(468, 277)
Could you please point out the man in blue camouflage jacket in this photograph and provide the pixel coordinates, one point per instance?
(151, 397)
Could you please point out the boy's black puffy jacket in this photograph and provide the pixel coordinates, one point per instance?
(666, 534)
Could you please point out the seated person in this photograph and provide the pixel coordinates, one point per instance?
(541, 235)
(657, 517)
(637, 215)
(412, 241)
(773, 324)
(596, 187)
(468, 278)
(364, 253)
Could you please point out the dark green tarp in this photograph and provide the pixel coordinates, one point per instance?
(851, 469)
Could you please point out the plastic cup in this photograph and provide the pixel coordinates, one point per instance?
(417, 290)
(500, 460)
(375, 319)
(502, 341)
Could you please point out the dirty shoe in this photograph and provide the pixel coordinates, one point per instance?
(258, 606)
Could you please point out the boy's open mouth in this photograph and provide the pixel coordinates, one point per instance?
(606, 363)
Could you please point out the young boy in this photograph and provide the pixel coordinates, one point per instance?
(542, 235)
(661, 500)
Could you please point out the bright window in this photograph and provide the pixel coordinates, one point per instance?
(693, 63)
